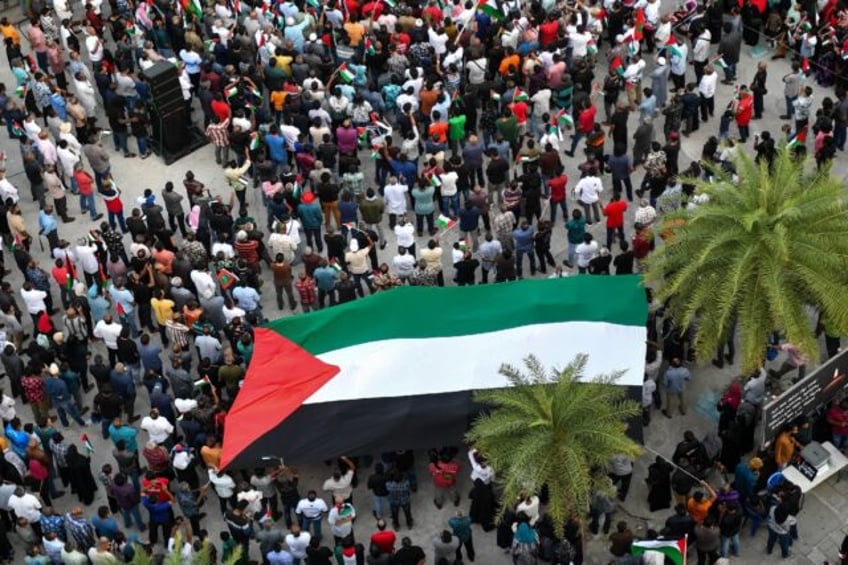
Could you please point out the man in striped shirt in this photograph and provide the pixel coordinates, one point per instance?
(217, 134)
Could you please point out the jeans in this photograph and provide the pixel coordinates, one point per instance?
(730, 71)
(783, 539)
(611, 232)
(87, 204)
(313, 235)
(572, 252)
(121, 139)
(451, 203)
(132, 515)
(65, 407)
(117, 219)
(839, 440)
(562, 206)
(617, 183)
(141, 140)
(222, 154)
(790, 107)
(381, 506)
(519, 260)
(730, 543)
(357, 280)
(419, 222)
(407, 512)
(311, 525)
(323, 294)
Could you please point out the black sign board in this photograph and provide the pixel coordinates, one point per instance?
(805, 469)
(816, 389)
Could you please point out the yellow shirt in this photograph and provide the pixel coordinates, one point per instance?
(355, 31)
(162, 309)
(9, 31)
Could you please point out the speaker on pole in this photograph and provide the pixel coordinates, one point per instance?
(173, 134)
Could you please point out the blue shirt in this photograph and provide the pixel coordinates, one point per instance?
(281, 557)
(19, 440)
(247, 298)
(325, 278)
(123, 297)
(524, 238)
(675, 379)
(57, 390)
(126, 433)
(150, 357)
(46, 222)
(106, 527)
(277, 148)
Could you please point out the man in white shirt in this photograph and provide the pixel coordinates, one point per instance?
(159, 429)
(405, 235)
(633, 80)
(25, 505)
(297, 542)
(396, 199)
(310, 510)
(479, 468)
(701, 52)
(340, 518)
(35, 301)
(203, 282)
(224, 486)
(706, 91)
(339, 484)
(588, 190)
(404, 264)
(109, 331)
(585, 252)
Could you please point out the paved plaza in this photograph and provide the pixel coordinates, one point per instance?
(821, 524)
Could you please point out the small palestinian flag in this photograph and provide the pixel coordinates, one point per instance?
(119, 308)
(639, 25)
(720, 63)
(21, 91)
(375, 153)
(369, 47)
(268, 517)
(674, 550)
(345, 74)
(232, 92)
(445, 222)
(491, 9)
(390, 3)
(312, 368)
(204, 381)
(256, 93)
(592, 47)
(435, 180)
(565, 119)
(314, 3)
(297, 191)
(335, 266)
(86, 443)
(520, 96)
(798, 140)
(17, 130)
(675, 50)
(254, 141)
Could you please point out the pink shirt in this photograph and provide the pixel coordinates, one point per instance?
(36, 39)
(796, 357)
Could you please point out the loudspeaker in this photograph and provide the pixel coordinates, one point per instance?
(170, 130)
(161, 74)
(165, 90)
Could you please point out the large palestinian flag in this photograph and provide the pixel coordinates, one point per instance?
(397, 369)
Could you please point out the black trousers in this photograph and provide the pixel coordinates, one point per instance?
(407, 512)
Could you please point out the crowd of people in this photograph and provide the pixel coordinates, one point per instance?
(344, 128)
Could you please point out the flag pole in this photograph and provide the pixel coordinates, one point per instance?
(675, 465)
(685, 544)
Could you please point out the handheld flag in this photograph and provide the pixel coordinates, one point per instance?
(520, 96)
(232, 92)
(335, 266)
(675, 550)
(345, 74)
(445, 222)
(204, 381)
(254, 141)
(491, 9)
(86, 443)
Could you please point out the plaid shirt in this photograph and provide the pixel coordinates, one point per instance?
(217, 133)
(306, 289)
(33, 386)
(398, 492)
(177, 332)
(60, 452)
(82, 532)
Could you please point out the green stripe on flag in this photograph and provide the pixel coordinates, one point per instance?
(450, 312)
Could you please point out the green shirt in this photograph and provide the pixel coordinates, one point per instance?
(509, 128)
(456, 126)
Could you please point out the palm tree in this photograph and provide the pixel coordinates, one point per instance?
(203, 557)
(769, 245)
(549, 428)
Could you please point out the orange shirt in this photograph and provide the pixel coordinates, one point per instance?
(512, 60)
(355, 31)
(428, 99)
(278, 99)
(699, 510)
(211, 455)
(439, 129)
(9, 32)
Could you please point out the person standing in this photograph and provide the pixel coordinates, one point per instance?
(588, 191)
(614, 211)
(283, 281)
(675, 380)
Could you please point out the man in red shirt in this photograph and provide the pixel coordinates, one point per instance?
(614, 211)
(585, 125)
(744, 112)
(383, 539)
(444, 472)
(557, 198)
(549, 31)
